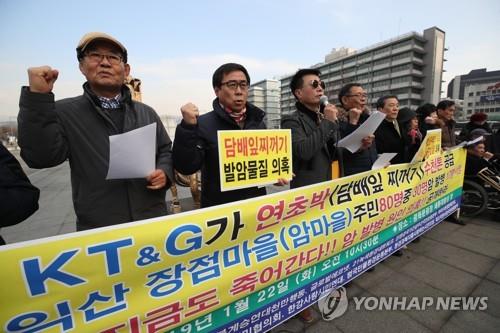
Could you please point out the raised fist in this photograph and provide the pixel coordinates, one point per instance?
(41, 79)
(190, 113)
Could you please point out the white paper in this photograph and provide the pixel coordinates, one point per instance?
(383, 160)
(352, 142)
(466, 144)
(473, 142)
(132, 154)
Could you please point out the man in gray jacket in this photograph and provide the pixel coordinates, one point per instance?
(314, 130)
(78, 129)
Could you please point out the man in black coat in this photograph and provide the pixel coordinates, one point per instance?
(314, 131)
(389, 136)
(18, 198)
(195, 144)
(314, 134)
(78, 129)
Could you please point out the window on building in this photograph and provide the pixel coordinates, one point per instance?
(365, 57)
(381, 62)
(381, 83)
(418, 55)
(382, 72)
(349, 62)
(380, 51)
(403, 79)
(400, 91)
(400, 68)
(402, 44)
(401, 56)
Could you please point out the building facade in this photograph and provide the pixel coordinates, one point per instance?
(409, 66)
(265, 94)
(480, 91)
(170, 123)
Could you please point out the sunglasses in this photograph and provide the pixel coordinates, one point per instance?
(316, 83)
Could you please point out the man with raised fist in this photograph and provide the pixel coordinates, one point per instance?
(78, 129)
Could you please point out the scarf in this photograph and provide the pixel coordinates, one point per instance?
(239, 117)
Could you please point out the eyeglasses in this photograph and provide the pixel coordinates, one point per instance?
(315, 83)
(359, 95)
(97, 57)
(233, 85)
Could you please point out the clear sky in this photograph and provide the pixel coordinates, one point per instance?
(174, 46)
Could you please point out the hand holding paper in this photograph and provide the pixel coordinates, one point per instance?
(383, 160)
(353, 141)
(157, 179)
(132, 154)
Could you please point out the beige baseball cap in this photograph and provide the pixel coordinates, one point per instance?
(90, 37)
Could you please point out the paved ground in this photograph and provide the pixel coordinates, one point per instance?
(450, 260)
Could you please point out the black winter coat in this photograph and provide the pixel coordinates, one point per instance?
(18, 198)
(313, 146)
(389, 141)
(78, 129)
(195, 148)
(360, 161)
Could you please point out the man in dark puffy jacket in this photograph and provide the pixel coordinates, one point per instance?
(18, 198)
(195, 144)
(78, 129)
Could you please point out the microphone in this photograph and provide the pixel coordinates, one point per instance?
(323, 101)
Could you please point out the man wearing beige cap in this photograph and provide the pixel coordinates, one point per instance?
(78, 129)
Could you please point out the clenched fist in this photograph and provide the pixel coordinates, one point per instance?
(354, 115)
(190, 113)
(41, 79)
(331, 112)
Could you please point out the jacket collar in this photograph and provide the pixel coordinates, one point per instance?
(126, 104)
(313, 115)
(254, 114)
(126, 97)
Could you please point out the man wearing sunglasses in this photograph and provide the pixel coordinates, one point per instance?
(314, 130)
(195, 145)
(314, 133)
(78, 129)
(354, 112)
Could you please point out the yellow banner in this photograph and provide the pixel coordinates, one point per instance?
(430, 146)
(155, 275)
(254, 157)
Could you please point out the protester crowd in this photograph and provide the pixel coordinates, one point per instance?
(78, 129)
